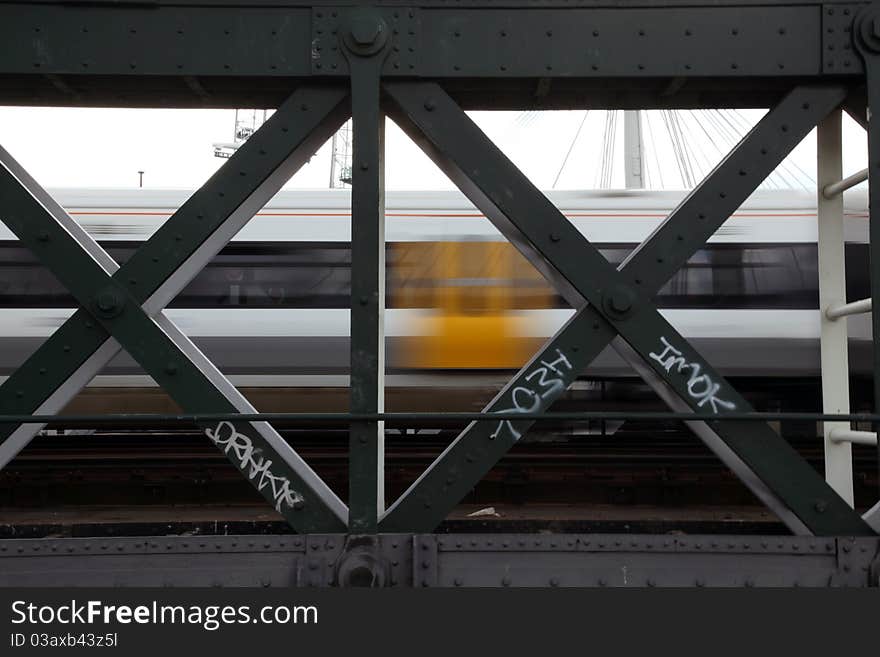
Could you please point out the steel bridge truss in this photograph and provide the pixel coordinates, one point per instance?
(423, 66)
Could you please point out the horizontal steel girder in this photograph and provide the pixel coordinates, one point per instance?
(429, 560)
(84, 52)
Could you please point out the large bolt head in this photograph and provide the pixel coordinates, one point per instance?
(365, 30)
(619, 300)
(866, 30)
(107, 302)
(361, 567)
(366, 33)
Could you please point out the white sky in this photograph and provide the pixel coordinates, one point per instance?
(72, 147)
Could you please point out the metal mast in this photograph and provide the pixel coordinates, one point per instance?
(247, 122)
(340, 158)
(634, 163)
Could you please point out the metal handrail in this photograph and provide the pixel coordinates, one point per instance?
(833, 189)
(850, 436)
(852, 308)
(133, 418)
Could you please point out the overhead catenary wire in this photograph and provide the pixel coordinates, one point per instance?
(571, 148)
(788, 179)
(606, 162)
(722, 149)
(732, 137)
(654, 149)
(689, 153)
(788, 163)
(678, 149)
(643, 128)
(703, 161)
(698, 141)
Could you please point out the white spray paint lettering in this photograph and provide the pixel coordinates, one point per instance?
(700, 387)
(256, 467)
(527, 399)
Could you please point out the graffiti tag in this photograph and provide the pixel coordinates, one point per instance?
(255, 466)
(700, 387)
(528, 399)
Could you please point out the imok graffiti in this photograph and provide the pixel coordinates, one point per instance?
(700, 387)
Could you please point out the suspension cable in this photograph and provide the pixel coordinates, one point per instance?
(571, 148)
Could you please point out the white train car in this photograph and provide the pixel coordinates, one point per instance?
(271, 308)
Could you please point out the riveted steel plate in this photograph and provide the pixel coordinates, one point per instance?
(431, 42)
(256, 561)
(639, 561)
(838, 52)
(330, 23)
(150, 41)
(753, 41)
(322, 551)
(428, 560)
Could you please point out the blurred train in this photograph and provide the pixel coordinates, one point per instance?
(271, 309)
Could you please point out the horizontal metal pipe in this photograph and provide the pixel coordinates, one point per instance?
(850, 436)
(833, 189)
(852, 308)
(204, 418)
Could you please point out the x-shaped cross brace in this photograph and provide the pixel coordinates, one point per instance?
(615, 302)
(122, 306)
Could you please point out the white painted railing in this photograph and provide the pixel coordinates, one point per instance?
(833, 189)
(849, 436)
(853, 308)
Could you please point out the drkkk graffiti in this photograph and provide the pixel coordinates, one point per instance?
(254, 465)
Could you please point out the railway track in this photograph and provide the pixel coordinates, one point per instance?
(634, 466)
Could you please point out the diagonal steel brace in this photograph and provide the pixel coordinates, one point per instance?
(618, 301)
(124, 299)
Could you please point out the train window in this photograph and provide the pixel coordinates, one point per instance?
(318, 275)
(287, 276)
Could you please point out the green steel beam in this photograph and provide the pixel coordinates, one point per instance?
(120, 52)
(154, 275)
(365, 42)
(619, 304)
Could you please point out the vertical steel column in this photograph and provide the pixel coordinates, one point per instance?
(832, 292)
(866, 35)
(365, 39)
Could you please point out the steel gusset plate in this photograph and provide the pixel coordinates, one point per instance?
(123, 305)
(611, 303)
